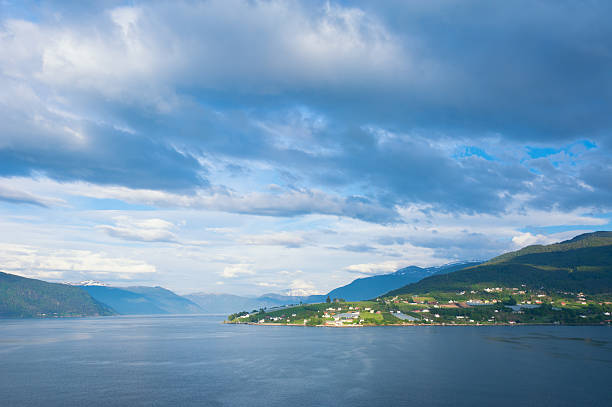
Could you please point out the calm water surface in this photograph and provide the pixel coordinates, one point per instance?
(197, 361)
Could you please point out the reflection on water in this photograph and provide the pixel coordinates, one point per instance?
(549, 337)
(577, 348)
(196, 360)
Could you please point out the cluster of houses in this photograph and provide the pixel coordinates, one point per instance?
(343, 318)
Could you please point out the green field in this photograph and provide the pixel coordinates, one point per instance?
(440, 308)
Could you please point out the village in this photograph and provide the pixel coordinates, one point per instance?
(478, 306)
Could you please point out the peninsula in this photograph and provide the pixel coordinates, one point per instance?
(563, 283)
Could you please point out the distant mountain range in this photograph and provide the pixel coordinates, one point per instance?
(224, 303)
(582, 264)
(142, 300)
(360, 289)
(371, 287)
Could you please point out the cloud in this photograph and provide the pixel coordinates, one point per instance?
(371, 106)
(386, 129)
(285, 203)
(145, 230)
(266, 284)
(528, 239)
(300, 287)
(236, 270)
(286, 239)
(55, 264)
(21, 197)
(374, 268)
(359, 248)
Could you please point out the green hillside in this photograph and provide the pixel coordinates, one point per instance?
(25, 297)
(564, 283)
(582, 264)
(585, 240)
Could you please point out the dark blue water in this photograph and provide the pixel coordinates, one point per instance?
(196, 361)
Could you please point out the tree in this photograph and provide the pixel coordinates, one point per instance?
(511, 301)
(328, 300)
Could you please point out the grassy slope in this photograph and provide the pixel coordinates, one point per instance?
(24, 297)
(586, 240)
(547, 277)
(581, 264)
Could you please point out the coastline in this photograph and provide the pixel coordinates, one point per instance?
(405, 325)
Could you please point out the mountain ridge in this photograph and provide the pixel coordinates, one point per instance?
(142, 300)
(374, 286)
(22, 297)
(583, 263)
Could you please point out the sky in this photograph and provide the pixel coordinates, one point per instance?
(292, 146)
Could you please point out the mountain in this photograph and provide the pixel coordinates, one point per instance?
(281, 299)
(228, 303)
(582, 264)
(359, 289)
(142, 300)
(372, 287)
(586, 240)
(25, 297)
(167, 300)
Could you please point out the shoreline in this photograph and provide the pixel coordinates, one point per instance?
(405, 325)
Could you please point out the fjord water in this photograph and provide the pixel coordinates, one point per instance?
(196, 360)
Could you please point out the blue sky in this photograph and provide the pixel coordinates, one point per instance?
(263, 146)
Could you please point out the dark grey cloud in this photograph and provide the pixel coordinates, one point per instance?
(465, 245)
(368, 100)
(112, 157)
(530, 69)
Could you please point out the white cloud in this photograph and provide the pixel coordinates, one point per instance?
(273, 239)
(145, 230)
(300, 287)
(291, 202)
(526, 239)
(232, 247)
(30, 261)
(16, 196)
(236, 270)
(375, 268)
(127, 47)
(266, 284)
